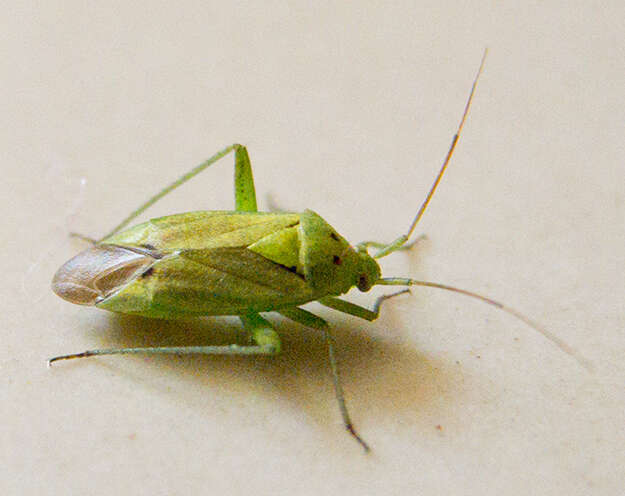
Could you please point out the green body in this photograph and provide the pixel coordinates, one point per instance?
(240, 262)
(231, 263)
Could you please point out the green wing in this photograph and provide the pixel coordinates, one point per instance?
(218, 281)
(202, 230)
(231, 263)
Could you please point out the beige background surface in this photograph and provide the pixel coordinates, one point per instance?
(346, 109)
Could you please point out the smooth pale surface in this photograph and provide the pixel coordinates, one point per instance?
(347, 110)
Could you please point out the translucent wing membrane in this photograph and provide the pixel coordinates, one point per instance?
(94, 274)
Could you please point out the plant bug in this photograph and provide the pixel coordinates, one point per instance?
(241, 263)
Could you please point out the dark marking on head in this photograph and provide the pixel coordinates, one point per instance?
(363, 282)
(148, 272)
(148, 246)
(337, 260)
(334, 236)
(292, 269)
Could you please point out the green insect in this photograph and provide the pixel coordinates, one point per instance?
(241, 263)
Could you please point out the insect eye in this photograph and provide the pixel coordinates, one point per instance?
(363, 283)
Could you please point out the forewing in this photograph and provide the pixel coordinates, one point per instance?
(202, 230)
(221, 281)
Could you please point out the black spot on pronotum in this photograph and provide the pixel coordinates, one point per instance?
(148, 272)
(337, 260)
(148, 246)
(334, 236)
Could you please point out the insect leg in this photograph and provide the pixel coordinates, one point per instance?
(82, 237)
(244, 191)
(267, 342)
(365, 245)
(356, 310)
(233, 349)
(310, 320)
(243, 175)
(263, 334)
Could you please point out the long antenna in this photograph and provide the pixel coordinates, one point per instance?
(452, 147)
(566, 348)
